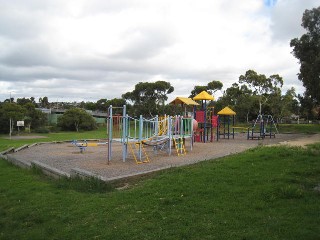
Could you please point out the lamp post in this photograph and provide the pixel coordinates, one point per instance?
(10, 121)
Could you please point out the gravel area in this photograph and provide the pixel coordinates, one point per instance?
(65, 156)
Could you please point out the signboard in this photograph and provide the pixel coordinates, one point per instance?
(20, 123)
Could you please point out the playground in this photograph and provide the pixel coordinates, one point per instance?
(65, 159)
(136, 145)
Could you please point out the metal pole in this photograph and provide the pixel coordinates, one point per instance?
(156, 126)
(140, 136)
(191, 127)
(10, 121)
(124, 134)
(169, 133)
(109, 133)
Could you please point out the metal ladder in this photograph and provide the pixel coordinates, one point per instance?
(179, 145)
(138, 152)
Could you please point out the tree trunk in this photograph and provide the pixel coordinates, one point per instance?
(260, 107)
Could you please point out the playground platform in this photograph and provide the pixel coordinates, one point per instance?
(65, 159)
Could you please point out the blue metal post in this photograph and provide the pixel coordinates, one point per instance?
(140, 136)
(124, 134)
(110, 124)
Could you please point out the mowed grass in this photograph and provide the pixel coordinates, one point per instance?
(264, 193)
(6, 143)
(285, 128)
(299, 128)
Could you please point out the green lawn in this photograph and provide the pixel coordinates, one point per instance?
(286, 128)
(6, 143)
(299, 128)
(264, 193)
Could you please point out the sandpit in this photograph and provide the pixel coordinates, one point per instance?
(66, 159)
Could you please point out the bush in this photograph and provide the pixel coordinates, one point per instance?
(42, 130)
(54, 128)
(76, 119)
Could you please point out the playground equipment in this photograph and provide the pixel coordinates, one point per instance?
(136, 133)
(225, 123)
(266, 128)
(205, 118)
(184, 102)
(81, 145)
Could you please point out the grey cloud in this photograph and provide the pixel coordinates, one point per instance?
(30, 65)
(29, 53)
(145, 43)
(101, 6)
(22, 20)
(286, 18)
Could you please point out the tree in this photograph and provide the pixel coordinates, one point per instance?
(76, 119)
(147, 98)
(89, 106)
(307, 107)
(261, 86)
(284, 105)
(211, 87)
(240, 99)
(307, 50)
(23, 101)
(44, 102)
(102, 105)
(34, 118)
(118, 104)
(9, 111)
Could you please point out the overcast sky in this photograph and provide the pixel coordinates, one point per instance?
(85, 50)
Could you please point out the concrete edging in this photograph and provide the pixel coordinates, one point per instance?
(50, 171)
(17, 162)
(78, 172)
(7, 151)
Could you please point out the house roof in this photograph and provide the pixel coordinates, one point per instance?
(184, 100)
(203, 96)
(226, 111)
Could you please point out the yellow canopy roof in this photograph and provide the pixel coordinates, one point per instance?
(184, 100)
(203, 96)
(227, 111)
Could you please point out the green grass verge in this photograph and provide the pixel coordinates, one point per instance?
(299, 128)
(264, 193)
(286, 128)
(6, 143)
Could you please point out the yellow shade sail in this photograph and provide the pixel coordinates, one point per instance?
(203, 96)
(226, 111)
(184, 100)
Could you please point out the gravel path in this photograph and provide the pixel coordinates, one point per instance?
(65, 156)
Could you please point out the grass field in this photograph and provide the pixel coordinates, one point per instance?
(264, 193)
(299, 128)
(6, 143)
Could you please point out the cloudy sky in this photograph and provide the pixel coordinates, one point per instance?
(85, 50)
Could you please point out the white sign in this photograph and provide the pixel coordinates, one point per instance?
(20, 123)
